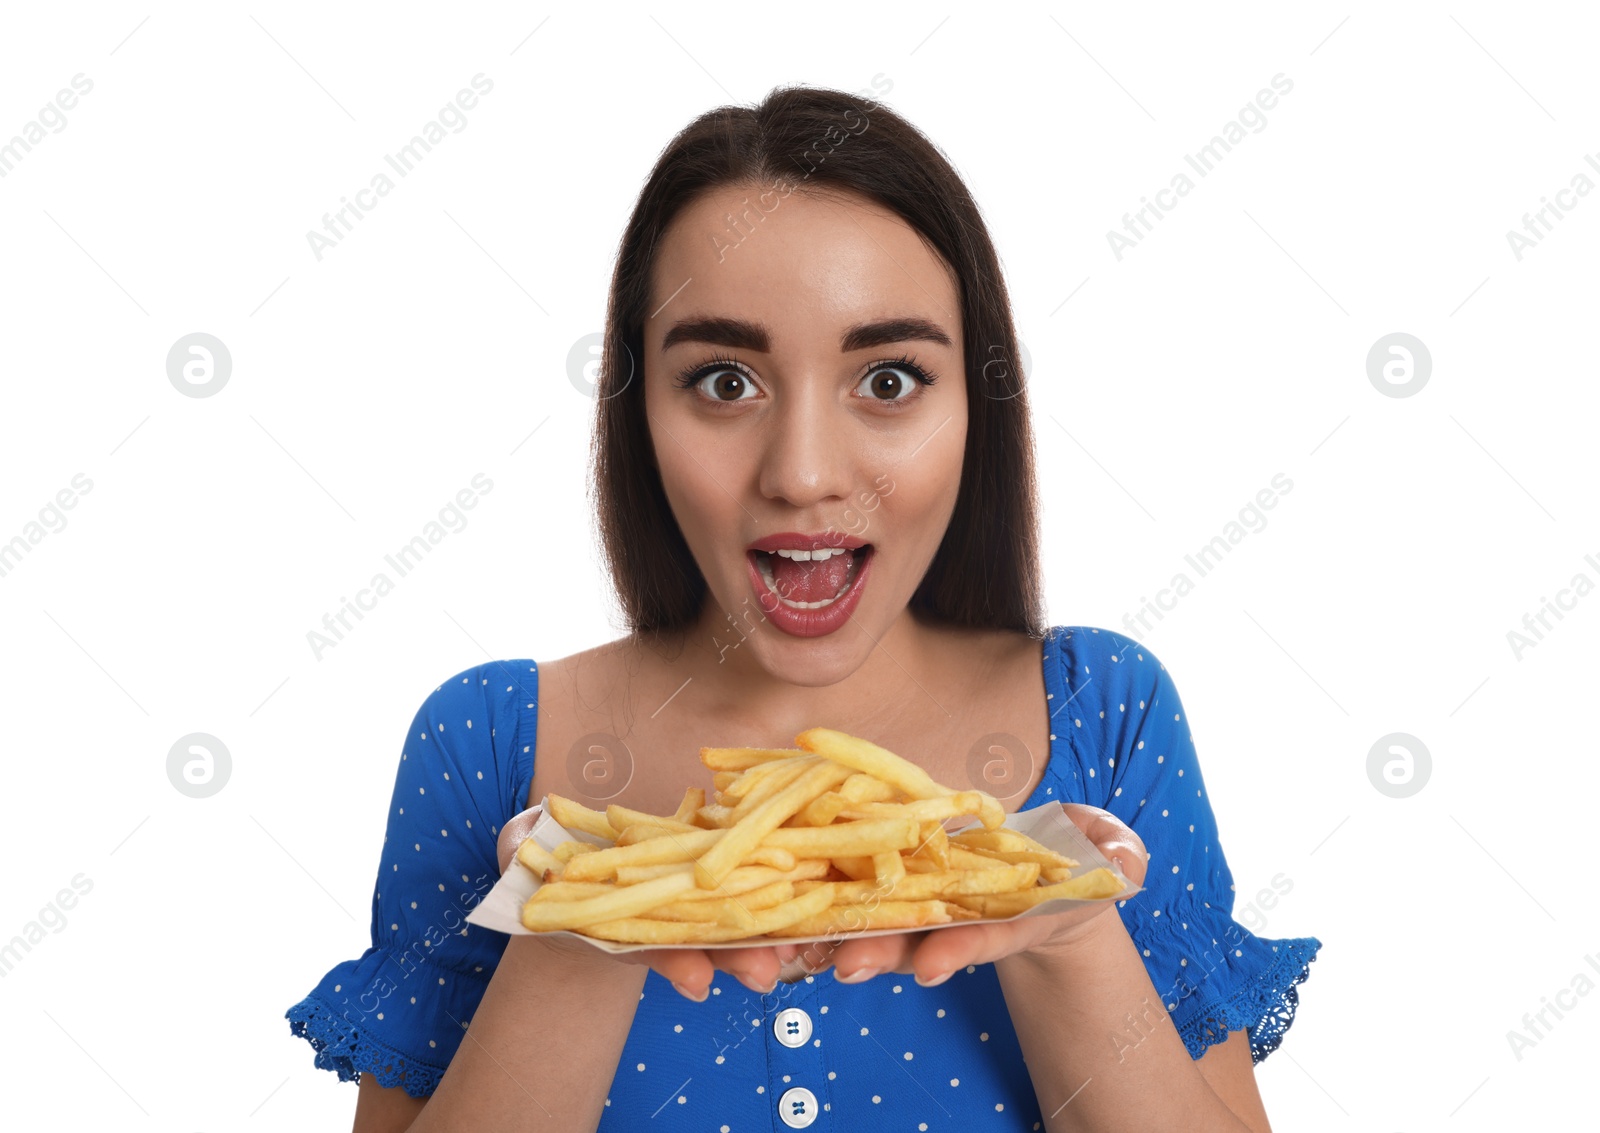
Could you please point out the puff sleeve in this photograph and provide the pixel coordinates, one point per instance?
(1134, 744)
(398, 1010)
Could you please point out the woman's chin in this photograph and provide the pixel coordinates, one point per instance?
(808, 662)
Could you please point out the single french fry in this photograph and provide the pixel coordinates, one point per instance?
(1055, 873)
(1030, 843)
(1010, 842)
(558, 890)
(958, 805)
(741, 880)
(928, 886)
(845, 839)
(770, 778)
(933, 844)
(693, 799)
(784, 913)
(571, 848)
(1006, 879)
(633, 874)
(778, 859)
(742, 758)
(963, 858)
(775, 856)
(639, 832)
(820, 811)
(1010, 846)
(537, 858)
(867, 757)
(670, 847)
(714, 816)
(1043, 857)
(863, 918)
(991, 813)
(650, 930)
(738, 840)
(974, 838)
(717, 910)
(804, 869)
(765, 896)
(624, 901)
(576, 816)
(860, 788)
(859, 867)
(714, 910)
(744, 781)
(621, 817)
(1093, 885)
(644, 930)
(887, 865)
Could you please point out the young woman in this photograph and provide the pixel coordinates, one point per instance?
(809, 349)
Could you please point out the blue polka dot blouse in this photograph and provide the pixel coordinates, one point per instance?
(817, 1052)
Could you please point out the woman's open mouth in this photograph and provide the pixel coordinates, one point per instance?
(809, 593)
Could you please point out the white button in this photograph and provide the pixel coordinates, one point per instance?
(798, 1107)
(793, 1027)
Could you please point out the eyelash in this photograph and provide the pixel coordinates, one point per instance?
(907, 362)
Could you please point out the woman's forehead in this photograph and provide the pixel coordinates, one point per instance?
(804, 266)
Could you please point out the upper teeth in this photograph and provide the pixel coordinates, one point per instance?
(821, 553)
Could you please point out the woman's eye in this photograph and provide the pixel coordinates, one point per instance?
(723, 384)
(889, 383)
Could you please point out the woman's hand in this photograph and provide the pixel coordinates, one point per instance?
(690, 970)
(932, 957)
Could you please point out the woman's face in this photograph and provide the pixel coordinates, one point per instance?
(812, 469)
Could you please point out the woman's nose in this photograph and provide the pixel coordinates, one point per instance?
(808, 457)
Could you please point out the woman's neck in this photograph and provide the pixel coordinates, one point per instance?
(756, 674)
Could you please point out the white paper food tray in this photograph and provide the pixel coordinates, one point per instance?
(1047, 824)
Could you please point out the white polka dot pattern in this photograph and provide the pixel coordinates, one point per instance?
(938, 1058)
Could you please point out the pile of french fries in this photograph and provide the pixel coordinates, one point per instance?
(833, 837)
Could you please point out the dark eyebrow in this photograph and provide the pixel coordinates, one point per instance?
(743, 335)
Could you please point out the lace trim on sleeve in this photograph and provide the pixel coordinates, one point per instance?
(1266, 1007)
(341, 1047)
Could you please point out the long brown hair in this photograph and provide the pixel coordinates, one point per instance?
(985, 573)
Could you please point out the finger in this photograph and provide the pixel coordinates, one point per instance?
(689, 970)
(512, 834)
(952, 949)
(1130, 858)
(1112, 837)
(756, 968)
(801, 960)
(855, 961)
(1097, 825)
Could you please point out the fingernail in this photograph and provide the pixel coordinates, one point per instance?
(687, 994)
(749, 981)
(935, 982)
(857, 976)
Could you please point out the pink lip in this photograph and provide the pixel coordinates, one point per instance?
(808, 623)
(796, 541)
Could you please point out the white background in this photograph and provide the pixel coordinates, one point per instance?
(368, 388)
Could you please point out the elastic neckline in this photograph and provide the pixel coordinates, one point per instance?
(1054, 687)
(524, 745)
